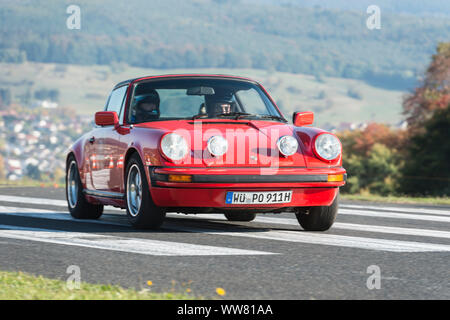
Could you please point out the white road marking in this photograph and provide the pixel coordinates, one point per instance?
(346, 207)
(122, 244)
(394, 215)
(54, 215)
(338, 225)
(368, 228)
(393, 230)
(330, 240)
(43, 201)
(289, 236)
(398, 209)
(31, 200)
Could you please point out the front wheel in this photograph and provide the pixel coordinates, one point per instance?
(141, 211)
(318, 218)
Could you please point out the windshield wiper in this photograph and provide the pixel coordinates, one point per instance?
(239, 115)
(230, 114)
(236, 114)
(198, 116)
(271, 116)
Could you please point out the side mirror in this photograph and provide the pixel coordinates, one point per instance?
(303, 118)
(106, 118)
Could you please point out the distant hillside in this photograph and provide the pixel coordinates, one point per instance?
(85, 89)
(223, 34)
(415, 7)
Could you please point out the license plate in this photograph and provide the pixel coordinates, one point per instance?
(266, 197)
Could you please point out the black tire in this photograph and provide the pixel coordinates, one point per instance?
(240, 216)
(148, 215)
(318, 218)
(79, 207)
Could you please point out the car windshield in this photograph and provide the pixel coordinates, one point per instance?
(196, 98)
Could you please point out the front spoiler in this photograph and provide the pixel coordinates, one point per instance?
(209, 187)
(247, 177)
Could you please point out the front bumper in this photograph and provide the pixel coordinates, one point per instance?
(208, 186)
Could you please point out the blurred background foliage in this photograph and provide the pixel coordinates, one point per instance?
(415, 161)
(317, 38)
(312, 55)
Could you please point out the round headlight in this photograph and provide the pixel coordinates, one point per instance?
(287, 145)
(217, 146)
(174, 146)
(327, 146)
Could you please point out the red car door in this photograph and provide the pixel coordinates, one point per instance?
(105, 154)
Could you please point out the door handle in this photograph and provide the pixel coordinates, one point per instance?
(92, 140)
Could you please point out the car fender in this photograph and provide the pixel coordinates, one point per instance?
(306, 136)
(146, 145)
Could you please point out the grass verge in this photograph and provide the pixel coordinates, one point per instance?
(397, 199)
(23, 286)
(29, 183)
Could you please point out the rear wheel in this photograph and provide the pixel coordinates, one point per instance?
(318, 218)
(141, 210)
(79, 207)
(240, 216)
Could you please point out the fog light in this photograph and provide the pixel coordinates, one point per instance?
(335, 177)
(180, 178)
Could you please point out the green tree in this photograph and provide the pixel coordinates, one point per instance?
(427, 167)
(377, 173)
(33, 172)
(433, 94)
(373, 159)
(427, 170)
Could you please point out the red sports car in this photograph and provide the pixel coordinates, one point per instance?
(203, 144)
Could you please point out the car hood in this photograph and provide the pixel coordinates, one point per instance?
(250, 142)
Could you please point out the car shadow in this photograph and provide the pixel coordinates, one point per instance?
(118, 223)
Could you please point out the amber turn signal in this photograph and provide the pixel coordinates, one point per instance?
(180, 178)
(335, 177)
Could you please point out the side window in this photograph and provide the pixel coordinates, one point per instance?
(116, 100)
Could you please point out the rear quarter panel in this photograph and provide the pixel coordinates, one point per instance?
(78, 149)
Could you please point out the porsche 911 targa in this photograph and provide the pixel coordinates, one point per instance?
(203, 144)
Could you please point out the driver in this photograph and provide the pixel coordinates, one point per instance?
(147, 107)
(219, 104)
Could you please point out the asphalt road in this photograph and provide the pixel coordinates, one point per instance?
(269, 258)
